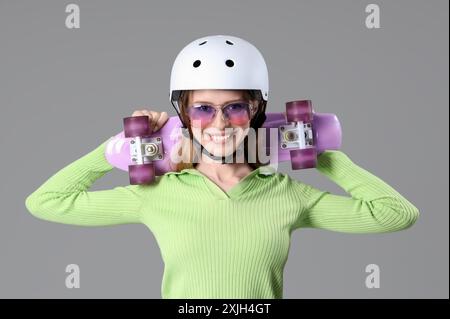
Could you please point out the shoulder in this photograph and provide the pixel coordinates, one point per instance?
(281, 179)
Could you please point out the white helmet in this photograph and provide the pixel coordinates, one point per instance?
(218, 62)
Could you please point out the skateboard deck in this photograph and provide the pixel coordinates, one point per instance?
(298, 136)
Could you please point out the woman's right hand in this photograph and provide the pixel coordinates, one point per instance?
(156, 119)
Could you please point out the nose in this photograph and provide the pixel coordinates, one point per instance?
(219, 120)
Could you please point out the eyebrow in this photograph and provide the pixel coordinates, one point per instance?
(238, 100)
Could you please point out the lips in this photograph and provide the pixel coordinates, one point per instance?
(218, 134)
(218, 138)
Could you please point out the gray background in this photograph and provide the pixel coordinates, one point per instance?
(63, 92)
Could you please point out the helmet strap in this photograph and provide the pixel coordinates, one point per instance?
(229, 159)
(256, 123)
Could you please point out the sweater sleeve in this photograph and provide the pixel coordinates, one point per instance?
(372, 207)
(65, 197)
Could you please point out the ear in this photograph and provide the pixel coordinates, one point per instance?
(255, 107)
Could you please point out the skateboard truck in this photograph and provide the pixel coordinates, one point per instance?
(296, 135)
(144, 150)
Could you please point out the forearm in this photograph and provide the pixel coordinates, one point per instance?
(65, 197)
(373, 205)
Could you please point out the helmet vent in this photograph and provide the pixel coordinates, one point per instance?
(229, 63)
(197, 63)
(229, 42)
(202, 43)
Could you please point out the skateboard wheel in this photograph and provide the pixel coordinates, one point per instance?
(297, 111)
(136, 126)
(303, 158)
(141, 174)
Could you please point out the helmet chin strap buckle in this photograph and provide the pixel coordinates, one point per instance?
(223, 159)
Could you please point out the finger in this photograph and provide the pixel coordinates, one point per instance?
(137, 113)
(162, 120)
(149, 115)
(165, 116)
(155, 118)
(142, 112)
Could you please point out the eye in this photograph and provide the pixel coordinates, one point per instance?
(236, 106)
(203, 108)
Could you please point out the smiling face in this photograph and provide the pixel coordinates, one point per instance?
(221, 135)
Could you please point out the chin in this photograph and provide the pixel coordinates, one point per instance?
(222, 148)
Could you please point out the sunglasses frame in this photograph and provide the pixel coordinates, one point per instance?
(252, 108)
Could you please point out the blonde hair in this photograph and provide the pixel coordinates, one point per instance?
(187, 152)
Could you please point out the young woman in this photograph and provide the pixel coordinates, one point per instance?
(223, 228)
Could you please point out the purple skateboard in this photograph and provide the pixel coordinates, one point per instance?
(300, 139)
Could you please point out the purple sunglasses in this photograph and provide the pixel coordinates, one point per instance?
(238, 113)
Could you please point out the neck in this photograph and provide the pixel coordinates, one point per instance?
(222, 172)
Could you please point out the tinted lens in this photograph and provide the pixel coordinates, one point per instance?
(237, 113)
(202, 113)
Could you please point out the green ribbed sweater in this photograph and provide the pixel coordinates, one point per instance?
(218, 244)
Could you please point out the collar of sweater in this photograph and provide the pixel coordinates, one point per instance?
(238, 190)
(262, 170)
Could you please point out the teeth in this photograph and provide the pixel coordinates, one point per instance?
(219, 138)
